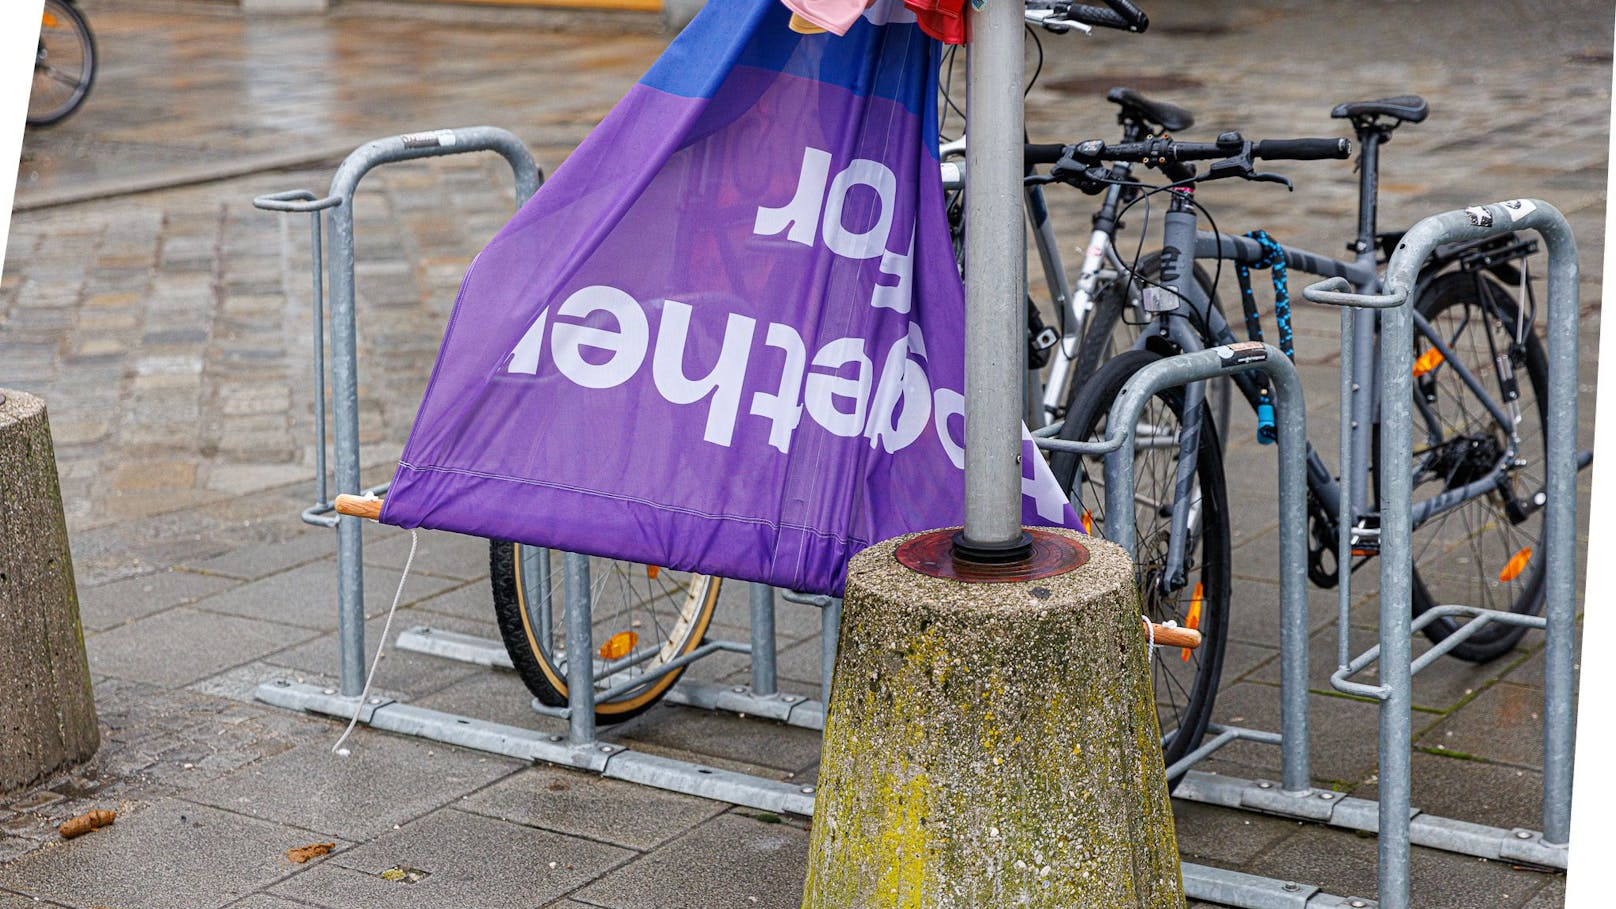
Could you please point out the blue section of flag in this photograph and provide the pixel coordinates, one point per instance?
(868, 61)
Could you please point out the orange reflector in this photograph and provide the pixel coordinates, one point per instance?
(50, 21)
(1428, 361)
(651, 571)
(1193, 620)
(619, 645)
(1516, 564)
(1088, 522)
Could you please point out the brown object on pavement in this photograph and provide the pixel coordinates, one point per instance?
(84, 823)
(303, 853)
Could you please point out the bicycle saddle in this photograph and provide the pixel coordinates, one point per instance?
(1167, 116)
(1403, 108)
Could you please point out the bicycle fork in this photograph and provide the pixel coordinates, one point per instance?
(1178, 292)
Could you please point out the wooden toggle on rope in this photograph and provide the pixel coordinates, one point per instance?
(1163, 635)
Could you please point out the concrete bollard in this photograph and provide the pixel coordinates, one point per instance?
(47, 714)
(991, 745)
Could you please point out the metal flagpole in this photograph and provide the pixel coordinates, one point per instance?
(995, 265)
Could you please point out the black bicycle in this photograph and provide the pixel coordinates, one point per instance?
(64, 66)
(1479, 412)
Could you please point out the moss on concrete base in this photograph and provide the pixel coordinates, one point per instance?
(992, 745)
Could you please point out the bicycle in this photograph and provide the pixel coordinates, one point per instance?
(1479, 448)
(1103, 274)
(64, 65)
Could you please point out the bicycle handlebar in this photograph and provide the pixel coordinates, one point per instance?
(1122, 15)
(1163, 150)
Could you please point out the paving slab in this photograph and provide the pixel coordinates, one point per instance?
(1345, 865)
(1552, 896)
(792, 621)
(182, 645)
(797, 668)
(470, 860)
(730, 861)
(265, 901)
(496, 695)
(385, 780)
(307, 596)
(581, 804)
(448, 555)
(264, 558)
(400, 671)
(1440, 687)
(152, 856)
(1494, 794)
(1341, 751)
(471, 602)
(1243, 660)
(1207, 833)
(724, 736)
(1504, 723)
(108, 605)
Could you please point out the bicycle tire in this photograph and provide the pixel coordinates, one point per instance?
(686, 602)
(1470, 567)
(65, 35)
(1107, 334)
(1207, 560)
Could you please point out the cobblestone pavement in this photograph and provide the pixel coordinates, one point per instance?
(166, 324)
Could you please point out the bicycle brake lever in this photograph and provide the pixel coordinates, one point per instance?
(1261, 177)
(1091, 180)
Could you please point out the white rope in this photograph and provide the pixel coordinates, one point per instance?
(359, 707)
(1150, 631)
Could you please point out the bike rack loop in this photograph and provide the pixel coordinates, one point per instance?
(1119, 480)
(1559, 520)
(344, 352)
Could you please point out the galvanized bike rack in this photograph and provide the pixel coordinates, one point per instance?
(344, 344)
(580, 747)
(1293, 796)
(1396, 668)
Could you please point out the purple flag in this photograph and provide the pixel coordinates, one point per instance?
(727, 335)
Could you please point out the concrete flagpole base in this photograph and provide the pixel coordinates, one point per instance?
(992, 744)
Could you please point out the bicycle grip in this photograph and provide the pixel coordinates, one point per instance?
(1130, 13)
(1302, 149)
(1099, 16)
(1043, 153)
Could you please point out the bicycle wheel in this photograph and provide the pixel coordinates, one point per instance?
(643, 617)
(64, 68)
(1186, 682)
(1114, 325)
(1488, 551)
